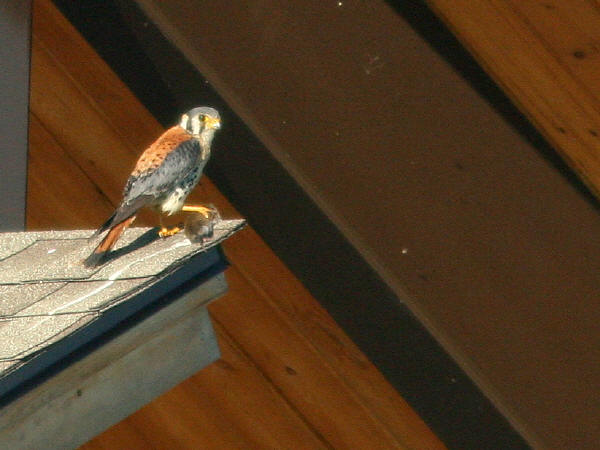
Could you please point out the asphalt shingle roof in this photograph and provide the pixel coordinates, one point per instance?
(51, 304)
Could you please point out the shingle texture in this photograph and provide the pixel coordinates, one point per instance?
(47, 294)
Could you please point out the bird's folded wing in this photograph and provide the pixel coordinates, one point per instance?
(159, 180)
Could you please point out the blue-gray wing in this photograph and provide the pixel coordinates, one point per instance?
(161, 180)
(144, 187)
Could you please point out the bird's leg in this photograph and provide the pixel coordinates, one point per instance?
(206, 211)
(166, 232)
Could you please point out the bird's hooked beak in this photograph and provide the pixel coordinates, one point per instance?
(212, 123)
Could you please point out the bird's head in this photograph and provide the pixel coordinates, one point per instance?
(201, 121)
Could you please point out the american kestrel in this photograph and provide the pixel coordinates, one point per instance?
(163, 177)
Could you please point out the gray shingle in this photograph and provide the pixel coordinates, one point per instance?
(16, 297)
(21, 336)
(45, 260)
(15, 242)
(83, 296)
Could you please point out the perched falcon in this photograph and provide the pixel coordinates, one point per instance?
(163, 176)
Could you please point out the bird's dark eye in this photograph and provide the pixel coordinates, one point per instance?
(202, 117)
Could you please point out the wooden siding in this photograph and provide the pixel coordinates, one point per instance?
(289, 377)
(545, 56)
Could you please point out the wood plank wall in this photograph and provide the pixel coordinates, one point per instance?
(289, 377)
(544, 54)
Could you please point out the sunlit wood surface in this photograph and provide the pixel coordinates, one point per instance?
(289, 377)
(545, 55)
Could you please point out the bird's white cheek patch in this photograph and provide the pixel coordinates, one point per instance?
(174, 202)
(184, 121)
(196, 125)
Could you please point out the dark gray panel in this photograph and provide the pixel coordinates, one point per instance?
(15, 20)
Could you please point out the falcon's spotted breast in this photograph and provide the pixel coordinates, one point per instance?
(163, 176)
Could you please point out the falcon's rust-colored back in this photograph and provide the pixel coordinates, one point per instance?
(154, 155)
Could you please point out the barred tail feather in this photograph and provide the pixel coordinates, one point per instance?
(108, 242)
(105, 226)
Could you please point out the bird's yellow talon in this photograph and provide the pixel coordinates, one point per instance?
(166, 232)
(206, 211)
